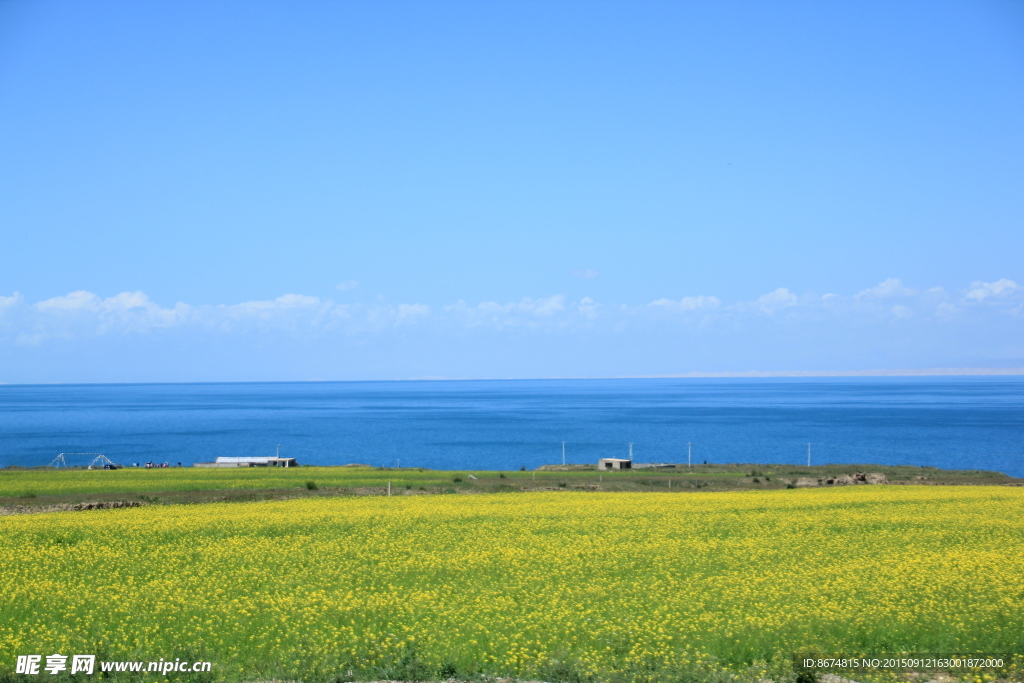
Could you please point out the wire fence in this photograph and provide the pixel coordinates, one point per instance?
(493, 455)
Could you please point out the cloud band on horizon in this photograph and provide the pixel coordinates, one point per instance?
(888, 325)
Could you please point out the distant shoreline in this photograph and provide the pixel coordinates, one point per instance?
(738, 374)
(925, 372)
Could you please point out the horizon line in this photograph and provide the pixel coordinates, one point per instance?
(737, 374)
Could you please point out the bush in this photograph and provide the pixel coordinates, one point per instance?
(565, 668)
(406, 666)
(502, 475)
(311, 485)
(457, 480)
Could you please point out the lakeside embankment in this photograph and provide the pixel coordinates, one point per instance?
(47, 489)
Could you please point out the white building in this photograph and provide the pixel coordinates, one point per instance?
(249, 461)
(614, 464)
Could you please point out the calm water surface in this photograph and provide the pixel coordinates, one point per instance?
(944, 422)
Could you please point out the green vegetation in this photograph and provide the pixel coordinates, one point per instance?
(42, 487)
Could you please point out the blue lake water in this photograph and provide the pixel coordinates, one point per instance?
(975, 423)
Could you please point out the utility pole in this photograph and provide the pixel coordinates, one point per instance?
(563, 453)
(689, 454)
(808, 455)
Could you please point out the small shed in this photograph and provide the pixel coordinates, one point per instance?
(614, 464)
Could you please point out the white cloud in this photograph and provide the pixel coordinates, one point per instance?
(127, 310)
(287, 312)
(408, 311)
(549, 306)
(688, 303)
(773, 301)
(901, 311)
(551, 312)
(125, 301)
(588, 308)
(887, 289)
(986, 290)
(588, 274)
(347, 286)
(10, 301)
(74, 301)
(533, 307)
(83, 314)
(286, 301)
(297, 301)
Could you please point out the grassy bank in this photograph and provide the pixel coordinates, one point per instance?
(558, 586)
(40, 487)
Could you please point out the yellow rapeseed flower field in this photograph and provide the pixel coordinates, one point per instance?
(564, 586)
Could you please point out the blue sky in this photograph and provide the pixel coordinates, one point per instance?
(246, 191)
